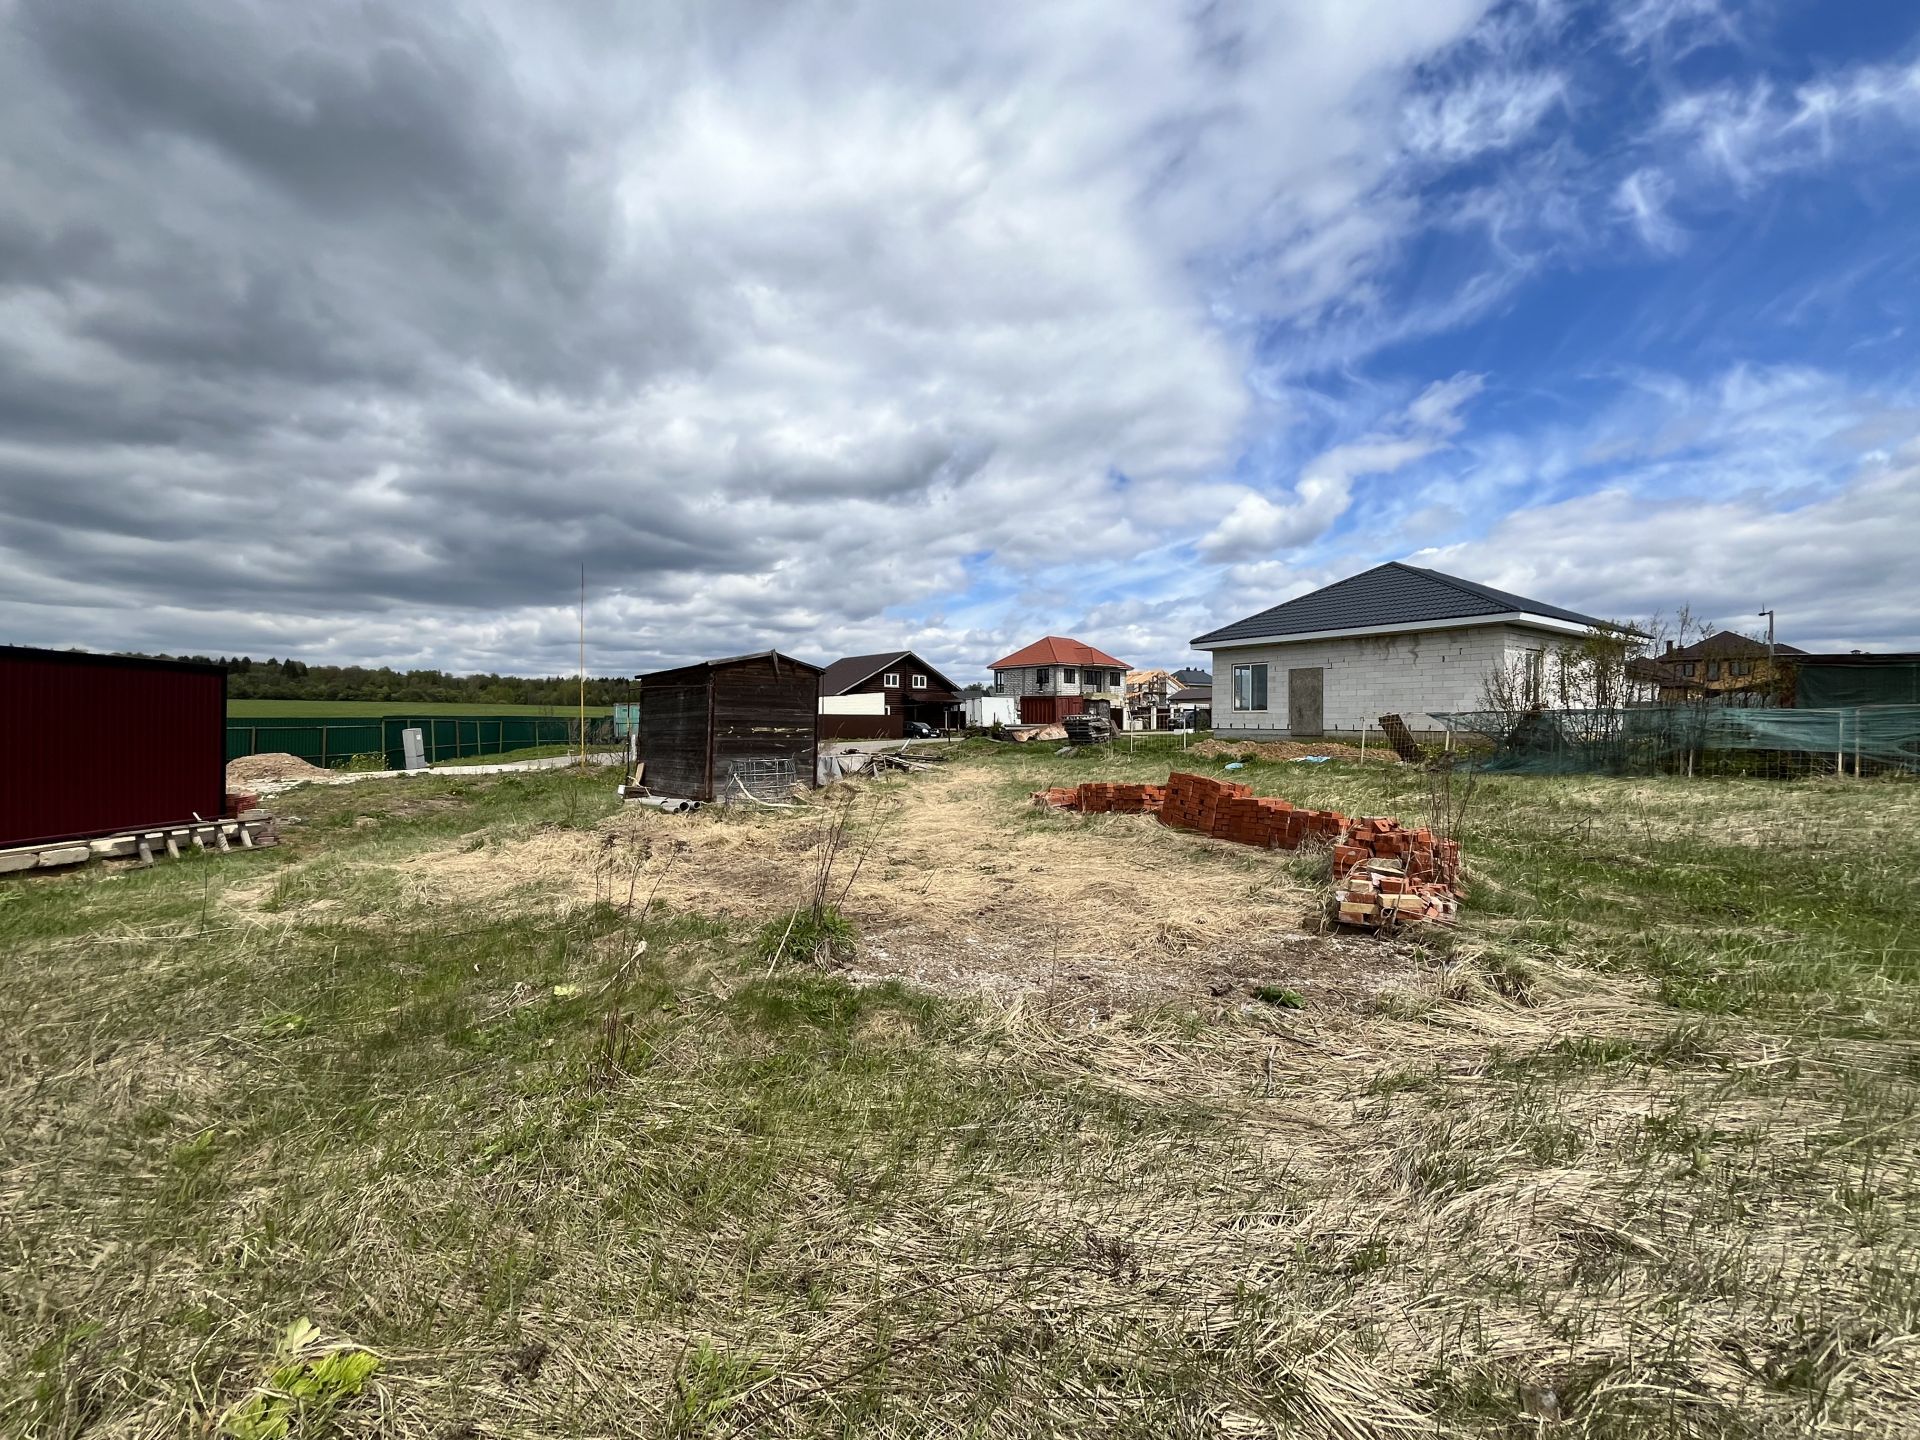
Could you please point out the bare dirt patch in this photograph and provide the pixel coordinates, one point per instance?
(957, 886)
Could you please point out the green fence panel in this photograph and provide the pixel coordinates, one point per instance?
(333, 743)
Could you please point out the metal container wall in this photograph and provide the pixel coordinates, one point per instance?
(1050, 709)
(104, 744)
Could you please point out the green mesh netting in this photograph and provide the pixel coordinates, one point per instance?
(1841, 686)
(1662, 739)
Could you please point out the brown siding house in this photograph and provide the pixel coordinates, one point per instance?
(913, 690)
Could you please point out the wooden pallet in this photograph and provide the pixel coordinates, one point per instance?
(1401, 738)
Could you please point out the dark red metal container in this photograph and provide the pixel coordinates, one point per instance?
(104, 744)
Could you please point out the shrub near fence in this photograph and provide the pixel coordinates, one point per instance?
(330, 743)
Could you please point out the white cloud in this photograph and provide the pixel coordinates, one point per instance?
(1490, 110)
(1643, 198)
(1750, 133)
(1673, 27)
(791, 323)
(1762, 486)
(1259, 524)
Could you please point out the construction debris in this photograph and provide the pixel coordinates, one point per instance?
(1025, 734)
(1088, 729)
(247, 829)
(1384, 872)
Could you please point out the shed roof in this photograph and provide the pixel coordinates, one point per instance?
(1058, 650)
(730, 660)
(1387, 596)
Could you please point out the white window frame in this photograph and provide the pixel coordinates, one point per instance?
(1265, 680)
(919, 682)
(890, 680)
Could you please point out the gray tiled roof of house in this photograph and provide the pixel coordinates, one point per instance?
(1388, 595)
(1193, 677)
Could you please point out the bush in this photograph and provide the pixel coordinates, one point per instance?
(816, 935)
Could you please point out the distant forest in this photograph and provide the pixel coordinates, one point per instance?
(250, 679)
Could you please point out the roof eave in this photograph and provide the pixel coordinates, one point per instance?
(1455, 622)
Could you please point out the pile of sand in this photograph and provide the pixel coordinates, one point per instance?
(275, 765)
(1290, 750)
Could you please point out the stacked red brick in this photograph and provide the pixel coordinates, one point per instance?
(1228, 811)
(1102, 798)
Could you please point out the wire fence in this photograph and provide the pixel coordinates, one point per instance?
(1696, 740)
(377, 739)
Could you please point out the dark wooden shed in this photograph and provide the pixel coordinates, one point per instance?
(751, 718)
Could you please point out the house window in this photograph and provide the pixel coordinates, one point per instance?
(1536, 673)
(891, 680)
(919, 682)
(1067, 676)
(1250, 687)
(1742, 667)
(1686, 668)
(1113, 680)
(1713, 670)
(999, 682)
(1042, 676)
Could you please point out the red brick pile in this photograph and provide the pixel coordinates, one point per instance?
(1101, 798)
(1228, 811)
(1384, 872)
(1380, 837)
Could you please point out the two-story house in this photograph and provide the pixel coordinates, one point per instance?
(1056, 677)
(1724, 666)
(872, 696)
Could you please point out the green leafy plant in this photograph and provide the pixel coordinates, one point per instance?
(1279, 995)
(308, 1383)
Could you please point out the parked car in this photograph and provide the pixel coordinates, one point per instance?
(920, 730)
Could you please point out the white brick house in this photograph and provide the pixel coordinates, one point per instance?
(1391, 640)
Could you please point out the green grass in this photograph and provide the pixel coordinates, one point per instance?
(238, 710)
(1641, 1134)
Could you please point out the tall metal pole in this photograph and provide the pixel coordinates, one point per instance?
(583, 664)
(1772, 684)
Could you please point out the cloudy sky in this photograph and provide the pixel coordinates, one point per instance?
(351, 330)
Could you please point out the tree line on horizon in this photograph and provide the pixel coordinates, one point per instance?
(289, 679)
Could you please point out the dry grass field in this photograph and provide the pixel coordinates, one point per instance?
(481, 1107)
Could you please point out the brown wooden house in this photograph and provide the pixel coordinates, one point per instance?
(892, 687)
(751, 722)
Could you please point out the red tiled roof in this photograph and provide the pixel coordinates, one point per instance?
(1058, 650)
